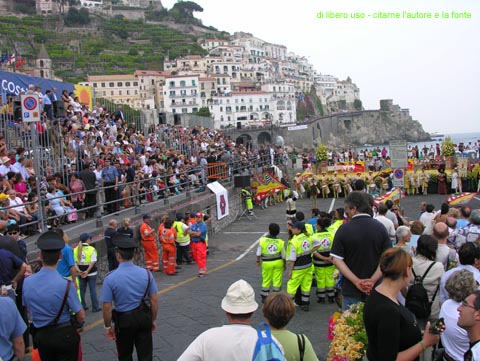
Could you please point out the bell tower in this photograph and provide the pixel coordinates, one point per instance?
(43, 64)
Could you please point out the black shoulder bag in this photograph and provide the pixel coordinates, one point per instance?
(33, 329)
(145, 303)
(301, 345)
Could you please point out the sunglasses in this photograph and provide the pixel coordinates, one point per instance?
(12, 232)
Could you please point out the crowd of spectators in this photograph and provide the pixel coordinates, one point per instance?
(103, 160)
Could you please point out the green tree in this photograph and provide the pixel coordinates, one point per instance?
(182, 12)
(76, 17)
(357, 104)
(133, 52)
(204, 112)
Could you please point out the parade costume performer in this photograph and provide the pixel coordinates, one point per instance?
(133, 291)
(149, 244)
(322, 262)
(50, 300)
(299, 264)
(271, 256)
(424, 178)
(198, 233)
(183, 239)
(167, 236)
(247, 195)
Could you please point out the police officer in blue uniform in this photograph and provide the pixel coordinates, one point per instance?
(133, 291)
(50, 300)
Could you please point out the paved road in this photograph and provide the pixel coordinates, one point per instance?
(189, 305)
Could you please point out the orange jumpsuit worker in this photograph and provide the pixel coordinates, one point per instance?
(167, 236)
(147, 235)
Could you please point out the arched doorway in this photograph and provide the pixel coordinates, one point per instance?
(264, 138)
(244, 139)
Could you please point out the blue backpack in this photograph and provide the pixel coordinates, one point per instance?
(266, 349)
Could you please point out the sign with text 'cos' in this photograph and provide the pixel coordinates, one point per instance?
(30, 108)
(398, 154)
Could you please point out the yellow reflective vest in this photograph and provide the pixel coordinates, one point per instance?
(182, 237)
(271, 248)
(87, 254)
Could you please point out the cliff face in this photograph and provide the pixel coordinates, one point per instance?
(390, 122)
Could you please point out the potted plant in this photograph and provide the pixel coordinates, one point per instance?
(448, 151)
(321, 154)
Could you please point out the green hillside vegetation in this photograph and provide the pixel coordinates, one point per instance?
(80, 44)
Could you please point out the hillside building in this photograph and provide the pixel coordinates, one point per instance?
(150, 83)
(50, 7)
(272, 104)
(181, 94)
(120, 89)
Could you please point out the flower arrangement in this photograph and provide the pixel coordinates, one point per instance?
(448, 149)
(321, 153)
(349, 336)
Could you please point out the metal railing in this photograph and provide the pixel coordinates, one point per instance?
(132, 194)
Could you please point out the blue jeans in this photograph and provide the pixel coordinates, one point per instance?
(348, 301)
(92, 286)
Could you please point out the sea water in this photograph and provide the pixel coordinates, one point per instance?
(467, 138)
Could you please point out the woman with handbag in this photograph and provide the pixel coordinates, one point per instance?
(78, 189)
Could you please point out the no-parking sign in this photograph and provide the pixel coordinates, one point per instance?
(398, 177)
(30, 108)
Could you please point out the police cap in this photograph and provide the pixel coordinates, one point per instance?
(299, 225)
(123, 241)
(50, 241)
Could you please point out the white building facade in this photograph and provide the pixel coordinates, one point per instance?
(181, 94)
(274, 104)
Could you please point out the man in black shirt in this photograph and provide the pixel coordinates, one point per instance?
(89, 179)
(357, 248)
(108, 234)
(129, 178)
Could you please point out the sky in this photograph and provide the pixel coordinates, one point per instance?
(430, 66)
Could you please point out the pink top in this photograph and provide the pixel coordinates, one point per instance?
(20, 187)
(77, 186)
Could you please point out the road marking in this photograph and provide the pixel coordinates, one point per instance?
(168, 289)
(478, 199)
(331, 205)
(250, 248)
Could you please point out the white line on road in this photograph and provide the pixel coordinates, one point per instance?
(250, 248)
(478, 199)
(331, 205)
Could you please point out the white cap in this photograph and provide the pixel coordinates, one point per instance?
(240, 298)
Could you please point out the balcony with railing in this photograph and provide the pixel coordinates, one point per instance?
(184, 104)
(183, 96)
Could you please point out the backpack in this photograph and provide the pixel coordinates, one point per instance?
(417, 297)
(266, 349)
